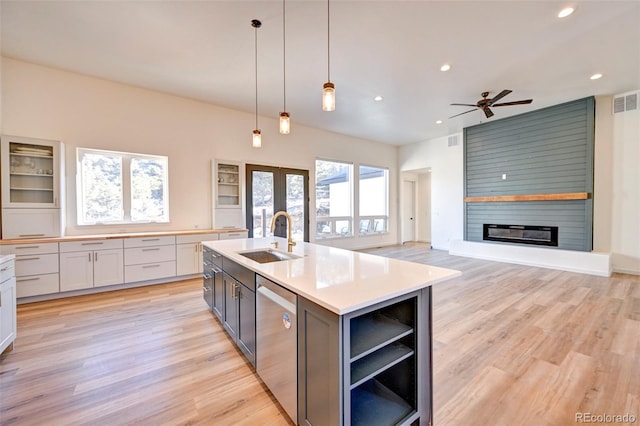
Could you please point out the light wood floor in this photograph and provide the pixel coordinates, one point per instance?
(513, 345)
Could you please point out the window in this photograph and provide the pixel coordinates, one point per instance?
(334, 212)
(374, 200)
(121, 187)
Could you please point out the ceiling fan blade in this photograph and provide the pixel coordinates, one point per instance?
(471, 110)
(487, 112)
(498, 97)
(523, 102)
(465, 104)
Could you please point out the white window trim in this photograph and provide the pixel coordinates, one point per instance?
(351, 219)
(126, 186)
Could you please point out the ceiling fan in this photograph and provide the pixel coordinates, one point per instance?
(485, 103)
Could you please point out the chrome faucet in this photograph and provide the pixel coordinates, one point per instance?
(290, 242)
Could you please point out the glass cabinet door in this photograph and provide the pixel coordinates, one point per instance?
(30, 172)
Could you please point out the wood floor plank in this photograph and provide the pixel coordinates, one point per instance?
(513, 345)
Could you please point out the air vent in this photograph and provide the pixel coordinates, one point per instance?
(453, 140)
(625, 102)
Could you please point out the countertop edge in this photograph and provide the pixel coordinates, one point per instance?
(70, 238)
(256, 267)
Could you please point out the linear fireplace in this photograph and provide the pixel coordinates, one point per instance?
(521, 234)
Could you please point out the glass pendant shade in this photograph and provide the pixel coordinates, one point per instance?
(328, 97)
(285, 123)
(257, 139)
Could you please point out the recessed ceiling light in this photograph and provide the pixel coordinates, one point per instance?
(439, 122)
(377, 98)
(445, 67)
(566, 12)
(596, 76)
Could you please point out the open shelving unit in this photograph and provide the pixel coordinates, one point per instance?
(383, 364)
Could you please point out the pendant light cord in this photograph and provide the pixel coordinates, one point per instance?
(256, 63)
(328, 44)
(284, 60)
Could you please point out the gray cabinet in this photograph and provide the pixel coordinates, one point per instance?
(371, 366)
(238, 310)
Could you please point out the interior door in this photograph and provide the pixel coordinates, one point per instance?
(408, 211)
(273, 189)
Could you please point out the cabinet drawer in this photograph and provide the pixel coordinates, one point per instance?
(30, 223)
(90, 245)
(150, 271)
(36, 264)
(138, 255)
(149, 241)
(37, 285)
(197, 238)
(22, 249)
(7, 270)
(240, 273)
(233, 235)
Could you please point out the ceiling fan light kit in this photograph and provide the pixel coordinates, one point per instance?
(485, 103)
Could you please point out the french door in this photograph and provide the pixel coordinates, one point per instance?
(274, 189)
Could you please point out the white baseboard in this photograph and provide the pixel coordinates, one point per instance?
(591, 263)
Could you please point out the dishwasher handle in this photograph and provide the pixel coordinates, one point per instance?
(277, 299)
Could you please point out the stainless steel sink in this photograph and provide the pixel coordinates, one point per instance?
(268, 255)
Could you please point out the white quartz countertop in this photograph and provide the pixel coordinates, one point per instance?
(339, 280)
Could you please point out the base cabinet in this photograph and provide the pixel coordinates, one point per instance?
(8, 325)
(372, 366)
(88, 264)
(240, 315)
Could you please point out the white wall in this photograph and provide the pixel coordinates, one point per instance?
(625, 224)
(616, 202)
(446, 185)
(423, 216)
(83, 111)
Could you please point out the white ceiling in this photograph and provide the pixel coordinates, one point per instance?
(205, 50)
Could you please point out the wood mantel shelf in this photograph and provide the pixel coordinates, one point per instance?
(529, 197)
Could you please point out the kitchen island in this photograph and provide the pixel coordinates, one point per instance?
(363, 324)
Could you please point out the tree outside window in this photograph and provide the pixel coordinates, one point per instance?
(121, 187)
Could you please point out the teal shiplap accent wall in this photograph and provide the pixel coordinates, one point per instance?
(546, 151)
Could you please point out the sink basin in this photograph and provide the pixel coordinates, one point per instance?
(268, 255)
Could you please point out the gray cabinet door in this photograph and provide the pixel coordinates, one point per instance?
(218, 293)
(230, 322)
(247, 323)
(319, 383)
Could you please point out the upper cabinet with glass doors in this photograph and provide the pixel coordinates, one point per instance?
(31, 172)
(227, 185)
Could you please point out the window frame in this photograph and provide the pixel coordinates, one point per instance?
(126, 183)
(373, 219)
(333, 220)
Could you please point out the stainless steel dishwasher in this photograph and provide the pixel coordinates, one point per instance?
(277, 343)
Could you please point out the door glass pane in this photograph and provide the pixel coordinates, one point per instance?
(262, 198)
(295, 204)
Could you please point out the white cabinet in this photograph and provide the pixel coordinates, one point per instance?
(227, 187)
(87, 264)
(36, 268)
(8, 326)
(189, 253)
(30, 223)
(234, 235)
(32, 171)
(149, 258)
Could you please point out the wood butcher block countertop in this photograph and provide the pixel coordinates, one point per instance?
(117, 235)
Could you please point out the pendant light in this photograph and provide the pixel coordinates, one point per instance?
(257, 135)
(285, 122)
(328, 89)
